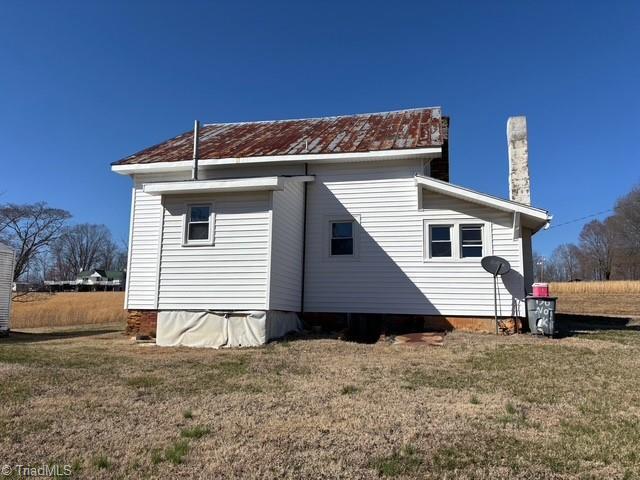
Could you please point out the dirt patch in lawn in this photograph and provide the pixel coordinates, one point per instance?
(477, 407)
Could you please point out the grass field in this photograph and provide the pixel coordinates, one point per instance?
(479, 407)
(621, 298)
(613, 287)
(67, 309)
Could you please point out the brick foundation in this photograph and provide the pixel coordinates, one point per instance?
(374, 324)
(472, 324)
(142, 322)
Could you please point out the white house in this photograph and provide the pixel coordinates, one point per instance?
(100, 278)
(238, 229)
(7, 259)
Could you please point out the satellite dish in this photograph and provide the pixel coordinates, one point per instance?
(495, 265)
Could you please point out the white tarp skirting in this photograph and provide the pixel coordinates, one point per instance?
(219, 329)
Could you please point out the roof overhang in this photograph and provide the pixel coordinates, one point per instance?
(535, 218)
(223, 186)
(187, 165)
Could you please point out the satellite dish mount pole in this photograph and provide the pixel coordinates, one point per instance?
(495, 297)
(495, 266)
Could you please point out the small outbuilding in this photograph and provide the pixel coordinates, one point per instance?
(7, 258)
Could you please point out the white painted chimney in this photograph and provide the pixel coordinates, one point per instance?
(519, 181)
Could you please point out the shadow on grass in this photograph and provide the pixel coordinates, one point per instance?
(578, 324)
(14, 336)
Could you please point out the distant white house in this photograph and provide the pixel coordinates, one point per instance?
(7, 259)
(94, 279)
(100, 277)
(325, 218)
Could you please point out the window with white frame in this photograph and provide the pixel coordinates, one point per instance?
(470, 241)
(199, 225)
(341, 238)
(456, 241)
(440, 241)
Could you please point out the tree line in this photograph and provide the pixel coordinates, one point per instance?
(49, 247)
(606, 250)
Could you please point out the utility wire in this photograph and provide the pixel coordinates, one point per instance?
(581, 218)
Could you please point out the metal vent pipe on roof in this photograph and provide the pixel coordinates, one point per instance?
(196, 135)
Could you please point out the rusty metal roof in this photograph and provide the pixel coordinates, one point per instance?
(402, 129)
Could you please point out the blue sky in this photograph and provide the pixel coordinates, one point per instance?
(85, 83)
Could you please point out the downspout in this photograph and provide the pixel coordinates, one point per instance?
(304, 241)
(196, 141)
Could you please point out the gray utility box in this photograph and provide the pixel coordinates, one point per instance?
(541, 313)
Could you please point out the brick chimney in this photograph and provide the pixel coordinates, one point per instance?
(519, 181)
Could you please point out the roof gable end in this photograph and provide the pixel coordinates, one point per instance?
(538, 216)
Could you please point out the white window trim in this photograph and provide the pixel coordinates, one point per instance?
(185, 224)
(355, 219)
(456, 240)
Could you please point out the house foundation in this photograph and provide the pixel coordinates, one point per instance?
(370, 326)
(365, 326)
(142, 323)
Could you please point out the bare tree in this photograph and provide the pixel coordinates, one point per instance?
(566, 259)
(597, 247)
(83, 247)
(627, 210)
(607, 249)
(544, 269)
(626, 226)
(30, 229)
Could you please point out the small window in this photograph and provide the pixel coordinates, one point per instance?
(198, 224)
(471, 240)
(440, 240)
(341, 238)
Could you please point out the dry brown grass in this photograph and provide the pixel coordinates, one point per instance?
(598, 298)
(610, 287)
(480, 407)
(66, 309)
(613, 304)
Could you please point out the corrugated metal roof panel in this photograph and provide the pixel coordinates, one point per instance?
(403, 129)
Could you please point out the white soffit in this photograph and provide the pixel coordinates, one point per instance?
(227, 185)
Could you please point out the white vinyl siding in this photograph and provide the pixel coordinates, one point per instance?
(6, 283)
(232, 273)
(527, 259)
(248, 171)
(142, 271)
(255, 262)
(391, 275)
(287, 244)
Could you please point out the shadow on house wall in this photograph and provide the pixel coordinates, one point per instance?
(373, 286)
(369, 284)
